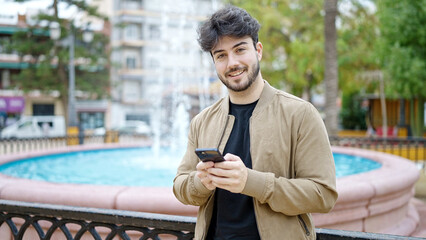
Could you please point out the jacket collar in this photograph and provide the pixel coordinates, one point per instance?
(266, 96)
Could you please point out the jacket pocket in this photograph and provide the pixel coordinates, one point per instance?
(304, 226)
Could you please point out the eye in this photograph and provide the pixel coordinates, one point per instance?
(220, 56)
(240, 50)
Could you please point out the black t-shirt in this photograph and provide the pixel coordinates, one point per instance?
(233, 214)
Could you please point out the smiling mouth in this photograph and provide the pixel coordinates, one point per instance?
(236, 73)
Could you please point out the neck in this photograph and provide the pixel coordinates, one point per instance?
(250, 95)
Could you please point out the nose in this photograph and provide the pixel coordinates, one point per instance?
(233, 61)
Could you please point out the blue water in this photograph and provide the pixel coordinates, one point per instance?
(349, 165)
(130, 167)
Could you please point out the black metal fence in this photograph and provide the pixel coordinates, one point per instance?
(410, 148)
(73, 223)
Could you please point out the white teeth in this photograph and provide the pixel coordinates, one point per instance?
(236, 74)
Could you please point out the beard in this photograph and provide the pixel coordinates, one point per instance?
(251, 78)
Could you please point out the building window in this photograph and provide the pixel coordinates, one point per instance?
(130, 62)
(43, 110)
(131, 91)
(91, 120)
(132, 4)
(131, 32)
(2, 45)
(138, 117)
(154, 32)
(154, 63)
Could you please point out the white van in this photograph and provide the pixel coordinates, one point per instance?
(36, 127)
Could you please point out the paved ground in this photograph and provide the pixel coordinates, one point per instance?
(420, 203)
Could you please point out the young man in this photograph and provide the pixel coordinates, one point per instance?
(278, 164)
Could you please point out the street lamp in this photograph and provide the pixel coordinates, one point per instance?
(55, 34)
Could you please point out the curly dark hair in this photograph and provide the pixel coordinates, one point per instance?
(229, 21)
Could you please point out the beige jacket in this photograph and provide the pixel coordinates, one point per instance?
(293, 171)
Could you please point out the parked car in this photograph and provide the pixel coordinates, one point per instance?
(36, 127)
(134, 127)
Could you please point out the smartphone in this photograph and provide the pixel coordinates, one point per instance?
(209, 154)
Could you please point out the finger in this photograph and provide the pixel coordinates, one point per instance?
(223, 171)
(229, 165)
(231, 162)
(231, 157)
(230, 184)
(204, 165)
(205, 180)
(224, 183)
(210, 186)
(220, 181)
(201, 174)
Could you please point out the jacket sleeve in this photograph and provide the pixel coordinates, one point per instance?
(186, 186)
(312, 188)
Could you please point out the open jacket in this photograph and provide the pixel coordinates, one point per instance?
(292, 173)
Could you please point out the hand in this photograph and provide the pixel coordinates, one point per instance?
(230, 174)
(203, 175)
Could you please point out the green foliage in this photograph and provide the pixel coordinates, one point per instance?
(357, 40)
(292, 36)
(403, 46)
(403, 53)
(48, 68)
(352, 113)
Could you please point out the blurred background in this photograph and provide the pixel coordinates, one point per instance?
(90, 73)
(134, 66)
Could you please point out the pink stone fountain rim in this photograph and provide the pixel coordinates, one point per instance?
(369, 201)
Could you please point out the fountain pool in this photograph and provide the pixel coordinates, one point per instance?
(131, 167)
(374, 201)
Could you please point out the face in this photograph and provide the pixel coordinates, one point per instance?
(237, 62)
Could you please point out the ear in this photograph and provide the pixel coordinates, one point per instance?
(259, 50)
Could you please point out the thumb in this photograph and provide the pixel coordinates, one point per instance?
(231, 157)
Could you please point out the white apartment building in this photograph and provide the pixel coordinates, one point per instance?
(157, 64)
(156, 60)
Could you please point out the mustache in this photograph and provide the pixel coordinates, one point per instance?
(234, 69)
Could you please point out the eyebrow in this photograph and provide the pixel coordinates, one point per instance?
(236, 45)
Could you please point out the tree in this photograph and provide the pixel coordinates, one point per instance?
(331, 67)
(48, 59)
(359, 70)
(292, 36)
(403, 53)
(352, 113)
(356, 43)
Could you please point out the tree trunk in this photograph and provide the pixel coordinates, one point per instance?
(55, 9)
(383, 107)
(420, 119)
(412, 117)
(307, 90)
(330, 71)
(401, 113)
(62, 75)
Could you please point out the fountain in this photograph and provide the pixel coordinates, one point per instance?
(375, 201)
(183, 83)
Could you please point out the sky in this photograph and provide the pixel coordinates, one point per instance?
(9, 7)
(9, 11)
